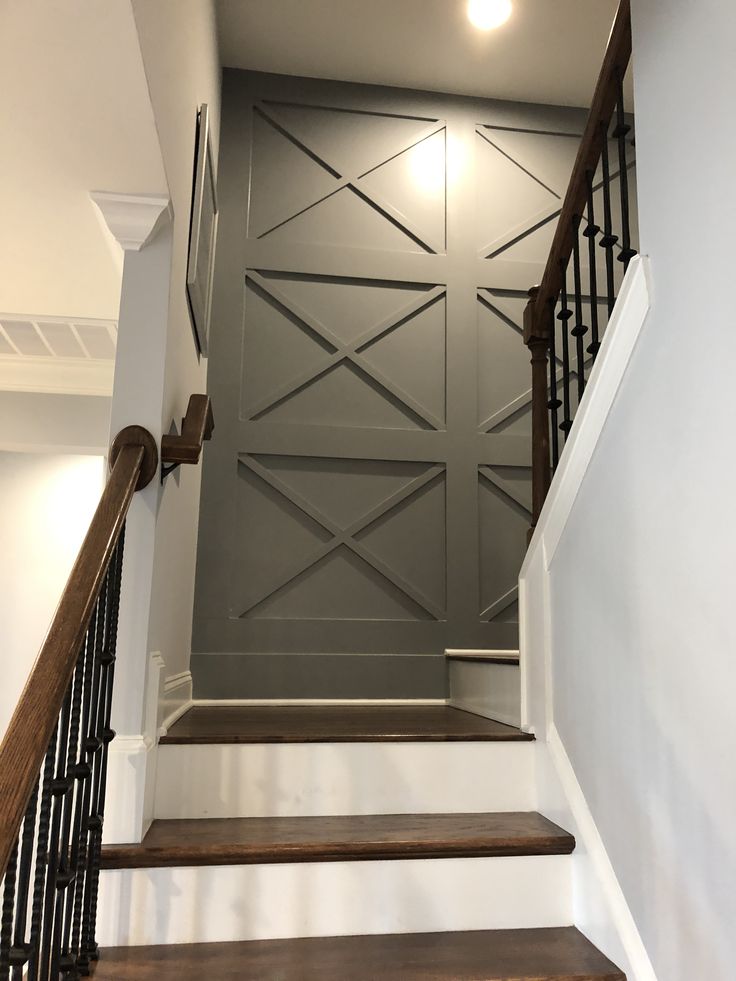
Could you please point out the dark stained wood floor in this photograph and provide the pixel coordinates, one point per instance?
(496, 955)
(333, 724)
(240, 841)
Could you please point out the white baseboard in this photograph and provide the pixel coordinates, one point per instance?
(486, 683)
(600, 907)
(128, 771)
(276, 702)
(262, 902)
(176, 699)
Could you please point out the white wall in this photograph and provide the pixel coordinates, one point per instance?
(641, 650)
(179, 47)
(46, 504)
(44, 423)
(75, 117)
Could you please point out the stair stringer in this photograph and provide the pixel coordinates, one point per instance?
(600, 908)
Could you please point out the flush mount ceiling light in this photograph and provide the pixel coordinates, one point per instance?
(487, 14)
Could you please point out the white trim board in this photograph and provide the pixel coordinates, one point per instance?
(628, 318)
(601, 911)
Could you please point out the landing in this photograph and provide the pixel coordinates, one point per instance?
(336, 724)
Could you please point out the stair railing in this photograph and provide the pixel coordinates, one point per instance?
(559, 355)
(53, 759)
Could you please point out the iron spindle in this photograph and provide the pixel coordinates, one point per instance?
(564, 316)
(608, 239)
(622, 128)
(58, 790)
(579, 330)
(7, 916)
(25, 864)
(554, 403)
(591, 231)
(39, 878)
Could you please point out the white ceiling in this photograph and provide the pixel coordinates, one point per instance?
(550, 51)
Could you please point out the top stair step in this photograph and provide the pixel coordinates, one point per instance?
(336, 724)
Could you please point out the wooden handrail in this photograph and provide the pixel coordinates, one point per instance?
(196, 427)
(614, 67)
(133, 458)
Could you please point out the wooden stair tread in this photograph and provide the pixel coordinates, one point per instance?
(561, 954)
(242, 841)
(335, 723)
(510, 658)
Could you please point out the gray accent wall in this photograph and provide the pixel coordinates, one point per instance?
(366, 496)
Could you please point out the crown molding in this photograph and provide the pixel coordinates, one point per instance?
(133, 219)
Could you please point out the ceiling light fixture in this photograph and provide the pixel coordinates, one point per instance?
(487, 14)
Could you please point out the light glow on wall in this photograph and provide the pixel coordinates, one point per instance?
(487, 14)
(427, 161)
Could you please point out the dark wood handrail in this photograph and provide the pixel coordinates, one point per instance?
(133, 457)
(614, 67)
(197, 426)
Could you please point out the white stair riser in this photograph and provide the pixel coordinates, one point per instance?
(298, 779)
(260, 902)
(487, 689)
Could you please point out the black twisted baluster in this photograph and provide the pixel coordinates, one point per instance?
(8, 913)
(83, 774)
(63, 961)
(579, 330)
(608, 239)
(106, 734)
(622, 128)
(39, 875)
(591, 230)
(564, 316)
(58, 790)
(554, 403)
(92, 746)
(21, 950)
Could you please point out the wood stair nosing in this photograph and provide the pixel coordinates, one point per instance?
(244, 841)
(224, 724)
(549, 954)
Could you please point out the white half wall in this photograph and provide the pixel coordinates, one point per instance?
(46, 504)
(631, 656)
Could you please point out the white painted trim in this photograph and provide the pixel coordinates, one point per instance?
(622, 333)
(177, 689)
(590, 846)
(125, 807)
(601, 910)
(133, 219)
(58, 376)
(511, 656)
(276, 702)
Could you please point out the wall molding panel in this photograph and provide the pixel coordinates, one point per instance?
(365, 504)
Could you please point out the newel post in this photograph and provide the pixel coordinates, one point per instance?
(537, 333)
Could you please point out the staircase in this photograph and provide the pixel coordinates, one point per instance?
(343, 842)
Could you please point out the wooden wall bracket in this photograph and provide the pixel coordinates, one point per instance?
(196, 427)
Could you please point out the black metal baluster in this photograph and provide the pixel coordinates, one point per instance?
(20, 952)
(7, 916)
(84, 775)
(591, 230)
(58, 790)
(92, 746)
(622, 128)
(579, 330)
(554, 403)
(67, 866)
(39, 875)
(106, 734)
(608, 239)
(564, 316)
